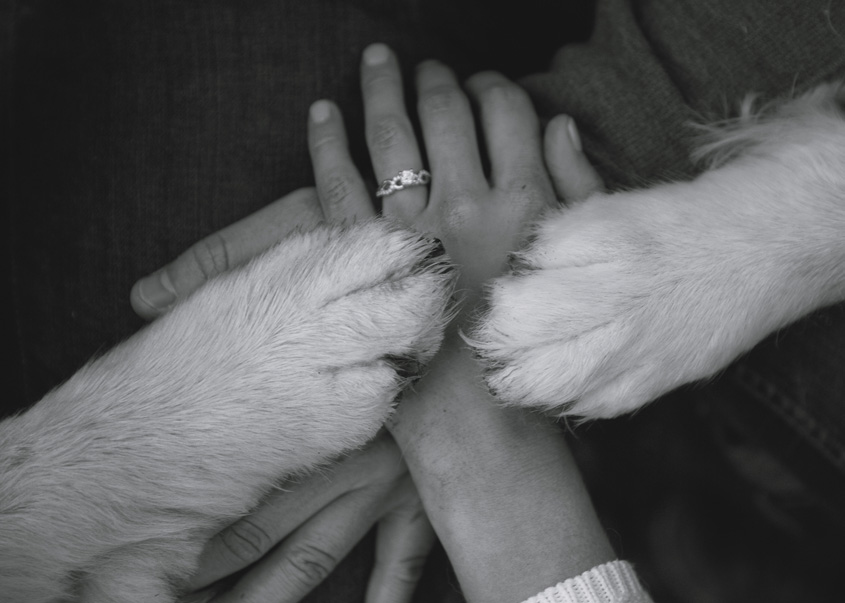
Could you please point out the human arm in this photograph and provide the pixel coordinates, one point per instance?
(480, 466)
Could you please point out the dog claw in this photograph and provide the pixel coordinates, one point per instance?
(406, 367)
(437, 249)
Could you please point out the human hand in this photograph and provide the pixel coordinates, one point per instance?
(480, 219)
(299, 534)
(479, 467)
(221, 251)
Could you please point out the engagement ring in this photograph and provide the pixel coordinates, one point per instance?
(404, 179)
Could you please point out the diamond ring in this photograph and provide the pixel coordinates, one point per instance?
(404, 179)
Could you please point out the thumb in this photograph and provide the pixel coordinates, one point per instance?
(573, 177)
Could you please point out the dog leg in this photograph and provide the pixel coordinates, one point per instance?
(110, 485)
(628, 295)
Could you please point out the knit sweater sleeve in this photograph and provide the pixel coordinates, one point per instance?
(613, 582)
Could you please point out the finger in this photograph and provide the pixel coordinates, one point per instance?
(390, 135)
(573, 177)
(403, 542)
(309, 554)
(511, 129)
(154, 294)
(448, 129)
(249, 539)
(343, 195)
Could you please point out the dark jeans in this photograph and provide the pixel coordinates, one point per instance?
(137, 128)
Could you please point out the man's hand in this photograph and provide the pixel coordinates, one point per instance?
(234, 245)
(299, 534)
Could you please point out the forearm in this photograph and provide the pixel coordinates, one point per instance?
(499, 485)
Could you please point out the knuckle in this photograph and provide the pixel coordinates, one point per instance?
(409, 571)
(211, 255)
(325, 140)
(309, 564)
(386, 133)
(335, 190)
(246, 540)
(377, 82)
(460, 212)
(463, 201)
(441, 99)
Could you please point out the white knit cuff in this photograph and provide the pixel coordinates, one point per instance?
(613, 582)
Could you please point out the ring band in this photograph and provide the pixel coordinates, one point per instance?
(404, 179)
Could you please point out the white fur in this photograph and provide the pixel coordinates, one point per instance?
(110, 485)
(629, 295)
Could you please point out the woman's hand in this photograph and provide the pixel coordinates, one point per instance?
(480, 219)
(498, 484)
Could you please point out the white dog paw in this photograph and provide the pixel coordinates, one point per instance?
(616, 302)
(321, 333)
(265, 371)
(564, 331)
(627, 296)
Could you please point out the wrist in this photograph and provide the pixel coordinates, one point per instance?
(497, 483)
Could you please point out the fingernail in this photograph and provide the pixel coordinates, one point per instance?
(157, 291)
(376, 54)
(320, 111)
(574, 137)
(427, 64)
(405, 367)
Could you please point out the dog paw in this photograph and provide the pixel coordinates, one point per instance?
(318, 336)
(619, 301)
(263, 372)
(627, 296)
(597, 317)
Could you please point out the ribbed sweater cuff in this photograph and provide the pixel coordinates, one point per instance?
(613, 582)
